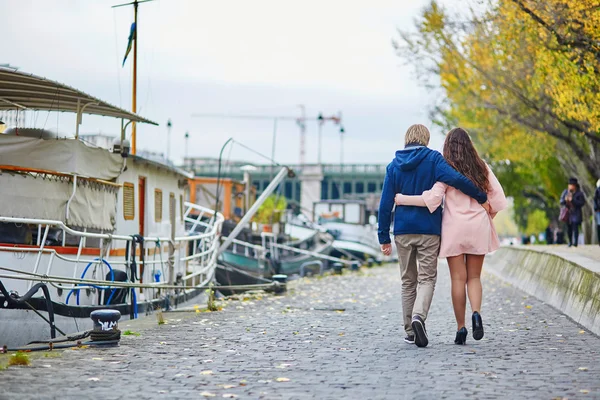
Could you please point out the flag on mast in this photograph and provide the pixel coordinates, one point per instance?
(130, 43)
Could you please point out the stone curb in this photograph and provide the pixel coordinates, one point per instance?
(570, 287)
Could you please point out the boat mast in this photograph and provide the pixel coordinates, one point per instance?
(135, 4)
(134, 98)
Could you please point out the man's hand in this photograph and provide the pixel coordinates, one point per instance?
(487, 207)
(386, 249)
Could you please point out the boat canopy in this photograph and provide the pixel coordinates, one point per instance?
(24, 91)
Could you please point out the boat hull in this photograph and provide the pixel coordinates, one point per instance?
(229, 275)
(19, 325)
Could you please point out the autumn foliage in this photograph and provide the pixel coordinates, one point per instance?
(523, 77)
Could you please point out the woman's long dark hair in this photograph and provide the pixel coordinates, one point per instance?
(462, 156)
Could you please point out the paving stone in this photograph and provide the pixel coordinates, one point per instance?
(530, 350)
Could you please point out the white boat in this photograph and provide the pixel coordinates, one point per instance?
(354, 231)
(96, 228)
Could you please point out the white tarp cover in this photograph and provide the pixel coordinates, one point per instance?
(24, 196)
(69, 156)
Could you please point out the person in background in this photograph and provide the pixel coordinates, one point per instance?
(549, 235)
(573, 199)
(597, 208)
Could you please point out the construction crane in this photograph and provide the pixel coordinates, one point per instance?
(300, 121)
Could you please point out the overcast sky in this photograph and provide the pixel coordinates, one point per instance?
(262, 57)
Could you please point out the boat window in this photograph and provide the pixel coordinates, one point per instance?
(158, 205)
(352, 213)
(128, 201)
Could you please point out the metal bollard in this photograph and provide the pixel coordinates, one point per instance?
(282, 283)
(338, 267)
(106, 325)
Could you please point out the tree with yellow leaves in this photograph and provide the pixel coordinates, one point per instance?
(522, 76)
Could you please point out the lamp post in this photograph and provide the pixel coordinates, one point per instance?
(336, 119)
(342, 131)
(187, 137)
(169, 125)
(320, 121)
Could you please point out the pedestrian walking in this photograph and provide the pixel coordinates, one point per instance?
(468, 232)
(572, 201)
(416, 231)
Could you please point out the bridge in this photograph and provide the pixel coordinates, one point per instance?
(313, 182)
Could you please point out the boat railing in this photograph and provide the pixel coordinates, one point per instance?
(310, 253)
(249, 250)
(159, 252)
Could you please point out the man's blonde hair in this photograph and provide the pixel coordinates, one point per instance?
(417, 134)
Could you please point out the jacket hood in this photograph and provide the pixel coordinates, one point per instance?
(410, 158)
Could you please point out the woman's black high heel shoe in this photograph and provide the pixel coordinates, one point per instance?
(477, 326)
(461, 336)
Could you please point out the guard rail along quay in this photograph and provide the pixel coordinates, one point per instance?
(567, 279)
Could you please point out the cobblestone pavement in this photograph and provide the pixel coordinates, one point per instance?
(299, 346)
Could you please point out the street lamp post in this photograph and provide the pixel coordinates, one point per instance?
(169, 125)
(187, 137)
(320, 121)
(342, 132)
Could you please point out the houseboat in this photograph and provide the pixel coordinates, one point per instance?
(85, 228)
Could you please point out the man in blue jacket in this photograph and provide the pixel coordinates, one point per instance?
(417, 231)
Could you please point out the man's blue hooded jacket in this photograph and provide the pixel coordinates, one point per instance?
(414, 170)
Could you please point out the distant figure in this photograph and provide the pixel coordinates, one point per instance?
(416, 230)
(468, 232)
(560, 236)
(549, 235)
(572, 201)
(597, 208)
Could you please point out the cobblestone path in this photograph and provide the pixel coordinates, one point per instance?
(304, 346)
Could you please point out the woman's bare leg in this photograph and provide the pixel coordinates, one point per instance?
(474, 266)
(458, 275)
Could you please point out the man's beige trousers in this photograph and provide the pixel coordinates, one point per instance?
(418, 282)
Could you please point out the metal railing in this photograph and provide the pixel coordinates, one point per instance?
(201, 262)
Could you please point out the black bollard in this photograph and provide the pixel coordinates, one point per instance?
(355, 266)
(106, 325)
(338, 267)
(370, 262)
(281, 283)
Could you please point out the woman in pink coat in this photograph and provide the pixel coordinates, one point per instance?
(468, 233)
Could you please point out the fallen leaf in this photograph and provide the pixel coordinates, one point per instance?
(207, 361)
(207, 372)
(528, 307)
(583, 368)
(584, 391)
(97, 359)
(163, 343)
(93, 379)
(230, 396)
(227, 386)
(208, 394)
(282, 379)
(581, 332)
